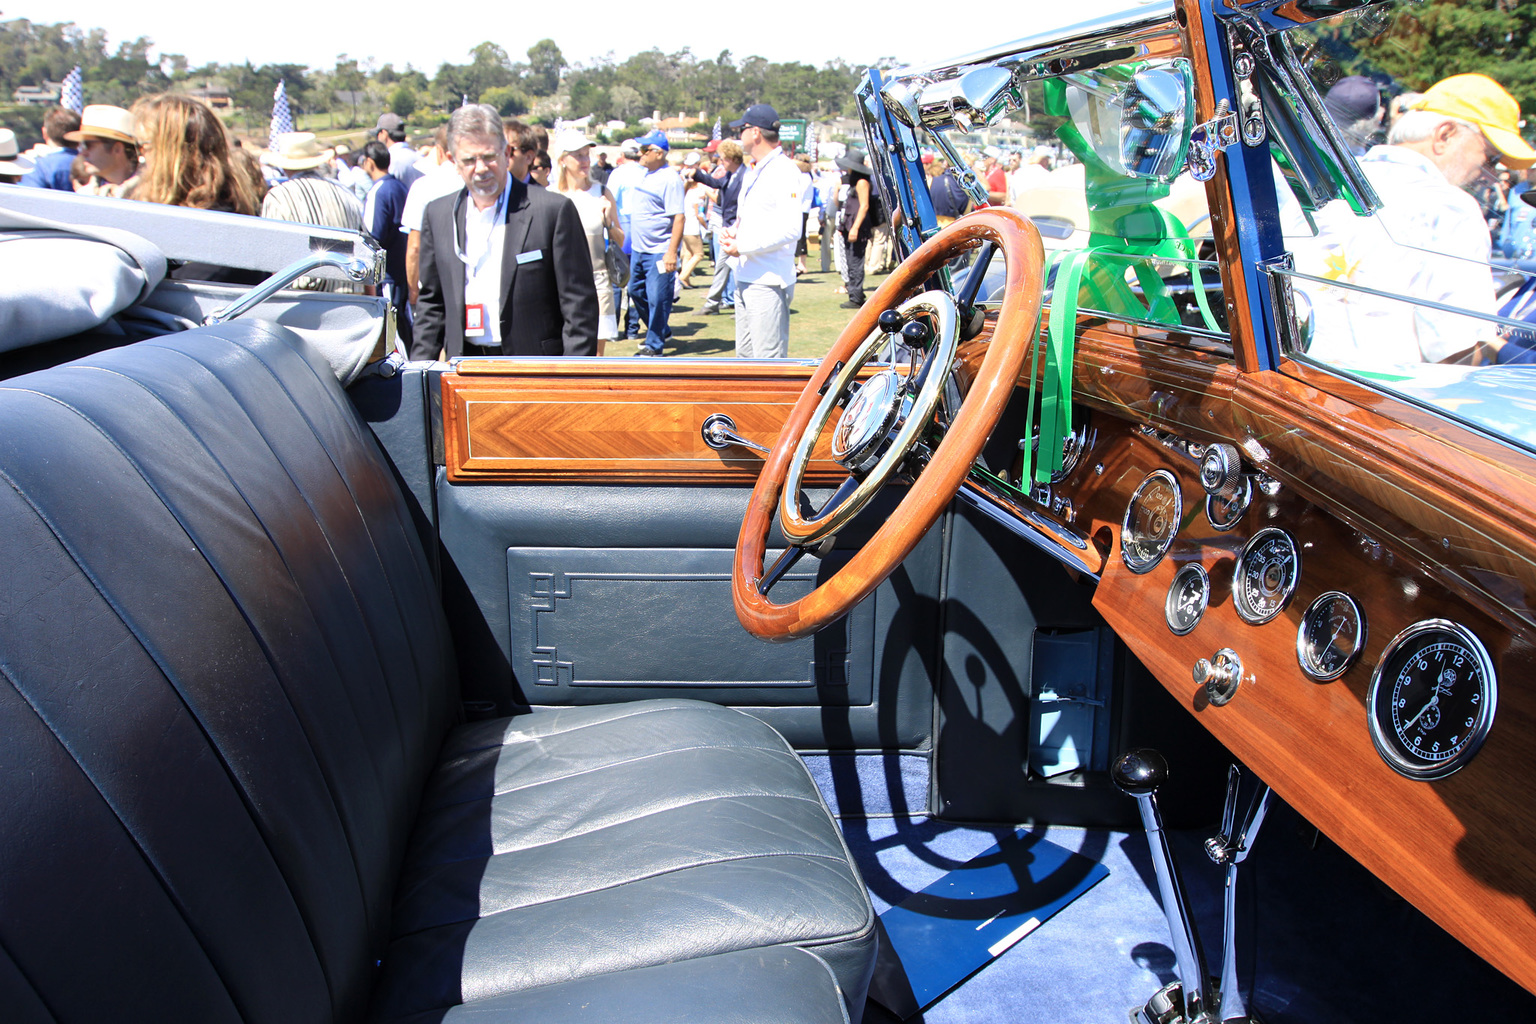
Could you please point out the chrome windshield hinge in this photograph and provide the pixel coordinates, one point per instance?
(1208, 138)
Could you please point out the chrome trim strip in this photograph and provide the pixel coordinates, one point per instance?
(1030, 526)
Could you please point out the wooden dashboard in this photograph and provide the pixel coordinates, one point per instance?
(1409, 514)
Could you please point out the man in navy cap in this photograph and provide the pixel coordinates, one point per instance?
(1354, 103)
(654, 205)
(767, 229)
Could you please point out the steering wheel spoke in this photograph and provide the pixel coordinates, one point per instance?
(884, 430)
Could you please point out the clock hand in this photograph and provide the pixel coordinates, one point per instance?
(1432, 702)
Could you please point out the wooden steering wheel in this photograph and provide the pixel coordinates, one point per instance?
(881, 423)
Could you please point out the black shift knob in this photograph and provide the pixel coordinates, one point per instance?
(917, 333)
(1139, 772)
(890, 321)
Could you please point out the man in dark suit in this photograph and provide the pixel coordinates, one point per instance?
(505, 268)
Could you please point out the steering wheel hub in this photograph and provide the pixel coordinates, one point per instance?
(867, 424)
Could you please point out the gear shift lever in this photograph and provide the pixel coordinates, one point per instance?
(1139, 773)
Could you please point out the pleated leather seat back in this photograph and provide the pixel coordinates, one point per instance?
(224, 677)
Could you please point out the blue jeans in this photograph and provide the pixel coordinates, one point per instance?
(650, 294)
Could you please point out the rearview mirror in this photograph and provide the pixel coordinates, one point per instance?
(973, 100)
(1139, 127)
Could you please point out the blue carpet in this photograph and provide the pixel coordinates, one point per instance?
(1320, 942)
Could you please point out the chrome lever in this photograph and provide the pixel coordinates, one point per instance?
(1138, 774)
(1230, 849)
(719, 432)
(355, 268)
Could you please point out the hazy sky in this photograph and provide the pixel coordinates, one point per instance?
(314, 33)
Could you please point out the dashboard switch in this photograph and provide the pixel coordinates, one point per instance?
(1220, 675)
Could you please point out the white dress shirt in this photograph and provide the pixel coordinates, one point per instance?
(768, 221)
(484, 240)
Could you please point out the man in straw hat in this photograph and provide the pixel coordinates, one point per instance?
(306, 196)
(1428, 242)
(12, 164)
(109, 148)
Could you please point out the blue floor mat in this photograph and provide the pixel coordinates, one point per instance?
(935, 939)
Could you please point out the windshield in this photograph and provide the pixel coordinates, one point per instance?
(1428, 295)
(1096, 159)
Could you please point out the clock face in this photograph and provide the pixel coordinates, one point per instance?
(1432, 700)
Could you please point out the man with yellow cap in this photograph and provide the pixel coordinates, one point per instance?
(1430, 241)
(109, 149)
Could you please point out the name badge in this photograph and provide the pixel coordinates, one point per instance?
(474, 320)
(530, 257)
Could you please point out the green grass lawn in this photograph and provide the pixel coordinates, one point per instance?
(816, 316)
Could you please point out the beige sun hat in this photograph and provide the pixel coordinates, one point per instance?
(100, 121)
(11, 160)
(296, 151)
(568, 141)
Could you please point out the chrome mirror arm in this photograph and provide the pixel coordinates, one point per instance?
(354, 267)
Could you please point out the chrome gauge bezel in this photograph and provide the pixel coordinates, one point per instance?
(1305, 650)
(1414, 639)
(1236, 507)
(1140, 565)
(1190, 573)
(1259, 616)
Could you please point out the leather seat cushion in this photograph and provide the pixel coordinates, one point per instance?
(572, 843)
(755, 986)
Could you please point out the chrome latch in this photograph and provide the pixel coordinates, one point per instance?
(719, 432)
(1208, 138)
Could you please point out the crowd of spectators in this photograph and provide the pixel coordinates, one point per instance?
(649, 219)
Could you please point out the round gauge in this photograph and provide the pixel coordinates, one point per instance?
(1266, 575)
(1187, 597)
(1226, 510)
(1331, 636)
(1432, 699)
(1151, 521)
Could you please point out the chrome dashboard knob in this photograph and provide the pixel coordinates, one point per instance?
(1220, 675)
(1221, 469)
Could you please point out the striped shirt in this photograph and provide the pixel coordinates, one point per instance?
(313, 200)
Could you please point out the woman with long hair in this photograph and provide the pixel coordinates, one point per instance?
(188, 158)
(599, 217)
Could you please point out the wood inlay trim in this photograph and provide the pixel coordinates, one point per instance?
(525, 425)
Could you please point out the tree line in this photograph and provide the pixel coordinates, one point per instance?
(543, 84)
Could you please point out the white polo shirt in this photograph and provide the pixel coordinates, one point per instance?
(768, 221)
(442, 180)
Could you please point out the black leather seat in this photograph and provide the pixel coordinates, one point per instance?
(233, 784)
